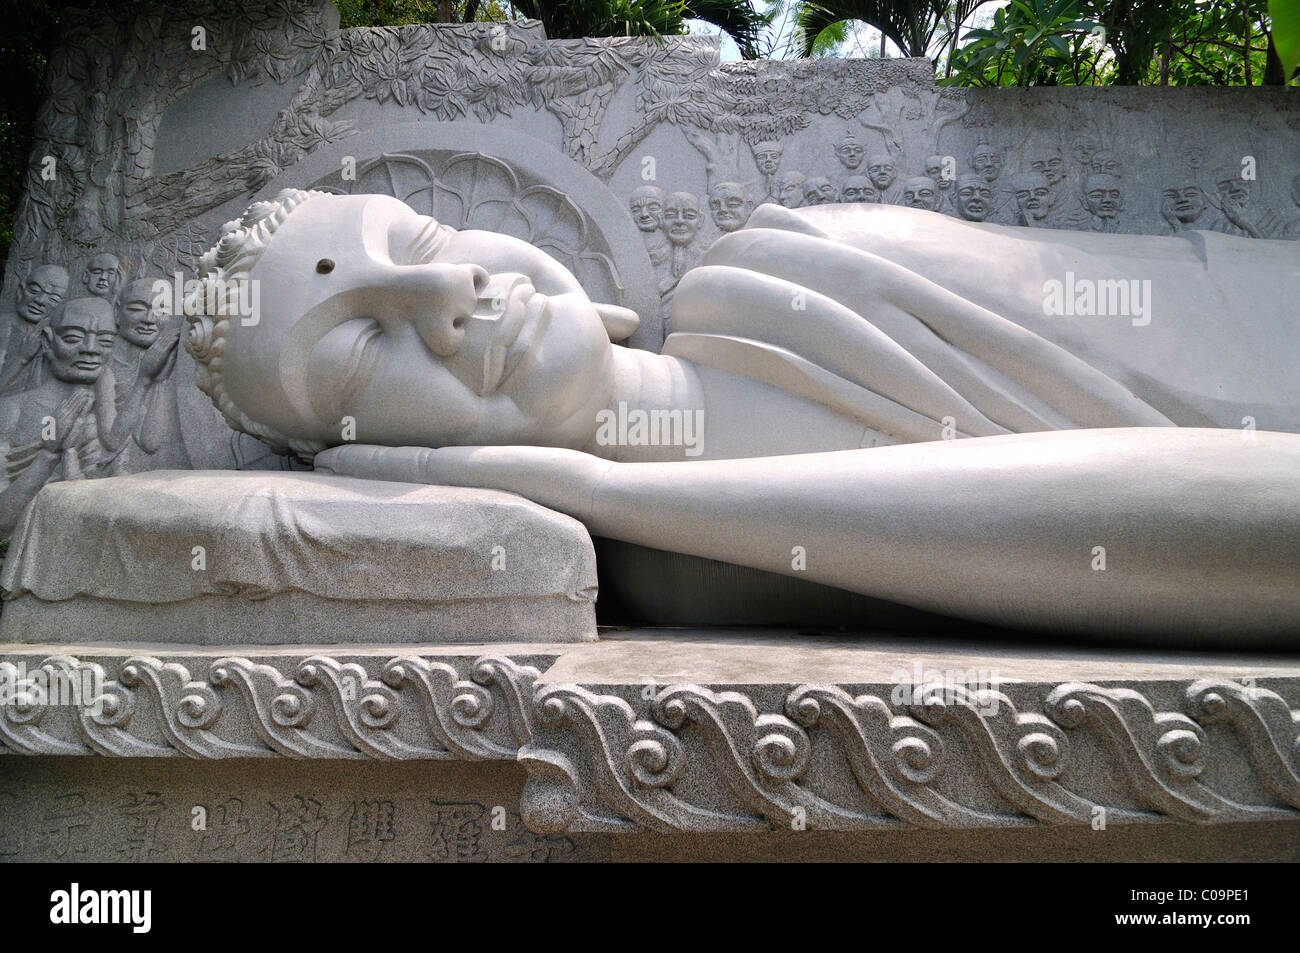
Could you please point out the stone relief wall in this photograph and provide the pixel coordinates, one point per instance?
(150, 139)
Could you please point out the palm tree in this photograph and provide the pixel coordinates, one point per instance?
(912, 25)
(573, 19)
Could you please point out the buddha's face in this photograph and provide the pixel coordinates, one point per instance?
(102, 275)
(422, 334)
(858, 188)
(767, 156)
(1103, 196)
(850, 152)
(881, 171)
(79, 340)
(41, 293)
(729, 205)
(647, 207)
(789, 190)
(682, 218)
(818, 191)
(921, 192)
(974, 198)
(137, 321)
(1185, 204)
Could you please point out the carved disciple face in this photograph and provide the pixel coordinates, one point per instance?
(647, 207)
(934, 167)
(1051, 167)
(881, 170)
(858, 188)
(419, 332)
(921, 192)
(42, 292)
(974, 197)
(767, 156)
(1032, 194)
(102, 275)
(818, 191)
(1103, 195)
(1105, 163)
(1185, 204)
(1233, 189)
(850, 152)
(682, 219)
(729, 205)
(137, 322)
(986, 161)
(789, 189)
(79, 339)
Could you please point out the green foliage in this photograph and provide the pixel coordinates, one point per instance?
(1031, 42)
(573, 19)
(1286, 33)
(1127, 42)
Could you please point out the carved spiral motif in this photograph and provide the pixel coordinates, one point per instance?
(916, 760)
(782, 751)
(473, 707)
(1041, 754)
(655, 762)
(199, 707)
(803, 710)
(670, 711)
(551, 710)
(291, 709)
(378, 710)
(199, 338)
(1069, 713)
(1180, 753)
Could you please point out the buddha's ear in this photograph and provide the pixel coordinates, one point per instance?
(620, 323)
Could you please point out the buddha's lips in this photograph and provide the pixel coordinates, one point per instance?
(535, 314)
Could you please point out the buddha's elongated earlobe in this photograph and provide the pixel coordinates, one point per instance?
(620, 323)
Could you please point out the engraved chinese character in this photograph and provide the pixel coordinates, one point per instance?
(370, 826)
(297, 823)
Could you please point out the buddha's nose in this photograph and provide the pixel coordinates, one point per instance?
(438, 299)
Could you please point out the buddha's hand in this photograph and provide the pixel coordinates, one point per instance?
(561, 479)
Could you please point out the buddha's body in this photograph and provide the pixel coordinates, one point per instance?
(801, 339)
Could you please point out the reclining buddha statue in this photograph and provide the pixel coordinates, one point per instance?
(1066, 432)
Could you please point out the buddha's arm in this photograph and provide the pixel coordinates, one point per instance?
(1147, 530)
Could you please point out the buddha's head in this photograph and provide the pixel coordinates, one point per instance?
(79, 339)
(375, 323)
(41, 293)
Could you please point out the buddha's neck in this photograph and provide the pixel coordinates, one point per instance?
(645, 382)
